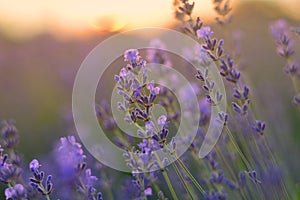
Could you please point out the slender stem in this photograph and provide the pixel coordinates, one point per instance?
(119, 135)
(190, 176)
(170, 185)
(47, 197)
(166, 177)
(156, 188)
(182, 180)
(107, 186)
(237, 148)
(294, 81)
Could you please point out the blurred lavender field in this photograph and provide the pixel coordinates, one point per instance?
(37, 75)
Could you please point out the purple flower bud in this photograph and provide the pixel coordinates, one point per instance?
(173, 143)
(199, 75)
(204, 33)
(223, 117)
(237, 94)
(131, 55)
(123, 72)
(210, 84)
(246, 92)
(230, 184)
(163, 134)
(292, 68)
(230, 61)
(148, 191)
(296, 100)
(242, 179)
(150, 128)
(253, 176)
(153, 90)
(34, 165)
(209, 99)
(219, 96)
(259, 126)
(278, 28)
(236, 108)
(162, 121)
(16, 192)
(220, 44)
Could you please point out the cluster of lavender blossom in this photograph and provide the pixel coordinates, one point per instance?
(285, 42)
(69, 166)
(242, 165)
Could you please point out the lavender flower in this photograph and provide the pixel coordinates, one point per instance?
(259, 127)
(86, 188)
(222, 7)
(186, 8)
(131, 55)
(244, 149)
(278, 29)
(69, 157)
(215, 196)
(10, 134)
(296, 99)
(34, 165)
(157, 55)
(148, 191)
(162, 121)
(8, 171)
(153, 90)
(285, 48)
(37, 181)
(16, 192)
(204, 33)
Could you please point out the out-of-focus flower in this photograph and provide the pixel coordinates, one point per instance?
(69, 156)
(10, 134)
(16, 192)
(162, 121)
(278, 28)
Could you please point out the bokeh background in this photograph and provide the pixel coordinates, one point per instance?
(42, 44)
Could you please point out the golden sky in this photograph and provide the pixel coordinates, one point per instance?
(23, 18)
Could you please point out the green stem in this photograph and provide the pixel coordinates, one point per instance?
(190, 175)
(294, 81)
(182, 180)
(47, 197)
(170, 185)
(166, 177)
(237, 148)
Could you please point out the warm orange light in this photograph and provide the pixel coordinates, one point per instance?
(77, 17)
(107, 23)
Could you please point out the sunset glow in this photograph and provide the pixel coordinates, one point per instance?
(77, 17)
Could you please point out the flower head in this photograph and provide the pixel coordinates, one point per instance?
(34, 165)
(131, 55)
(16, 192)
(162, 121)
(204, 33)
(148, 191)
(10, 134)
(69, 156)
(278, 28)
(153, 90)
